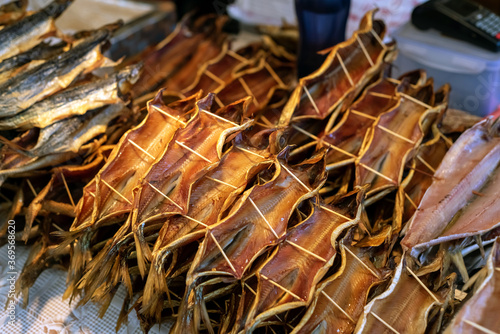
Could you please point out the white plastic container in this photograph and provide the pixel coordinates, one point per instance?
(473, 73)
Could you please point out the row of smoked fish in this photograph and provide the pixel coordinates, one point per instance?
(225, 196)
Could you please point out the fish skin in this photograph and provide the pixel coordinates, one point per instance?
(70, 134)
(244, 234)
(25, 33)
(22, 91)
(208, 199)
(481, 215)
(282, 191)
(465, 168)
(74, 101)
(329, 85)
(296, 270)
(119, 173)
(349, 288)
(350, 132)
(41, 51)
(405, 305)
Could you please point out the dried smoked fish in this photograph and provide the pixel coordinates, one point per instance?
(257, 221)
(393, 140)
(348, 289)
(22, 91)
(464, 170)
(27, 32)
(211, 195)
(126, 164)
(193, 151)
(302, 259)
(404, 307)
(76, 100)
(346, 70)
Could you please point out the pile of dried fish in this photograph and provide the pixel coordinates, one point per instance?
(224, 209)
(62, 104)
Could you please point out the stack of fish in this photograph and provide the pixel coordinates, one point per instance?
(54, 106)
(224, 210)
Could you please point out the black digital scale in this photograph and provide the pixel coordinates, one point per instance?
(461, 19)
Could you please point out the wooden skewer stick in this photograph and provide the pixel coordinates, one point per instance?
(221, 182)
(57, 227)
(263, 125)
(222, 252)
(141, 149)
(385, 96)
(481, 328)
(395, 134)
(31, 187)
(337, 306)
(361, 262)
(365, 51)
(115, 191)
(278, 317)
(311, 99)
(263, 217)
(377, 172)
(385, 323)
(305, 250)
(5, 198)
(281, 287)
(296, 178)
(237, 56)
(167, 114)
(446, 139)
(421, 172)
(345, 69)
(335, 213)
(274, 75)
(423, 286)
(218, 117)
(248, 151)
(323, 142)
(249, 288)
(248, 91)
(196, 221)
(218, 101)
(161, 193)
(213, 77)
(410, 200)
(428, 165)
(265, 120)
(477, 193)
(417, 101)
(91, 194)
(362, 114)
(67, 189)
(497, 269)
(192, 151)
(377, 37)
(394, 81)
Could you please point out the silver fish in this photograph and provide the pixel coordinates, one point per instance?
(22, 91)
(26, 33)
(70, 134)
(42, 51)
(74, 101)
